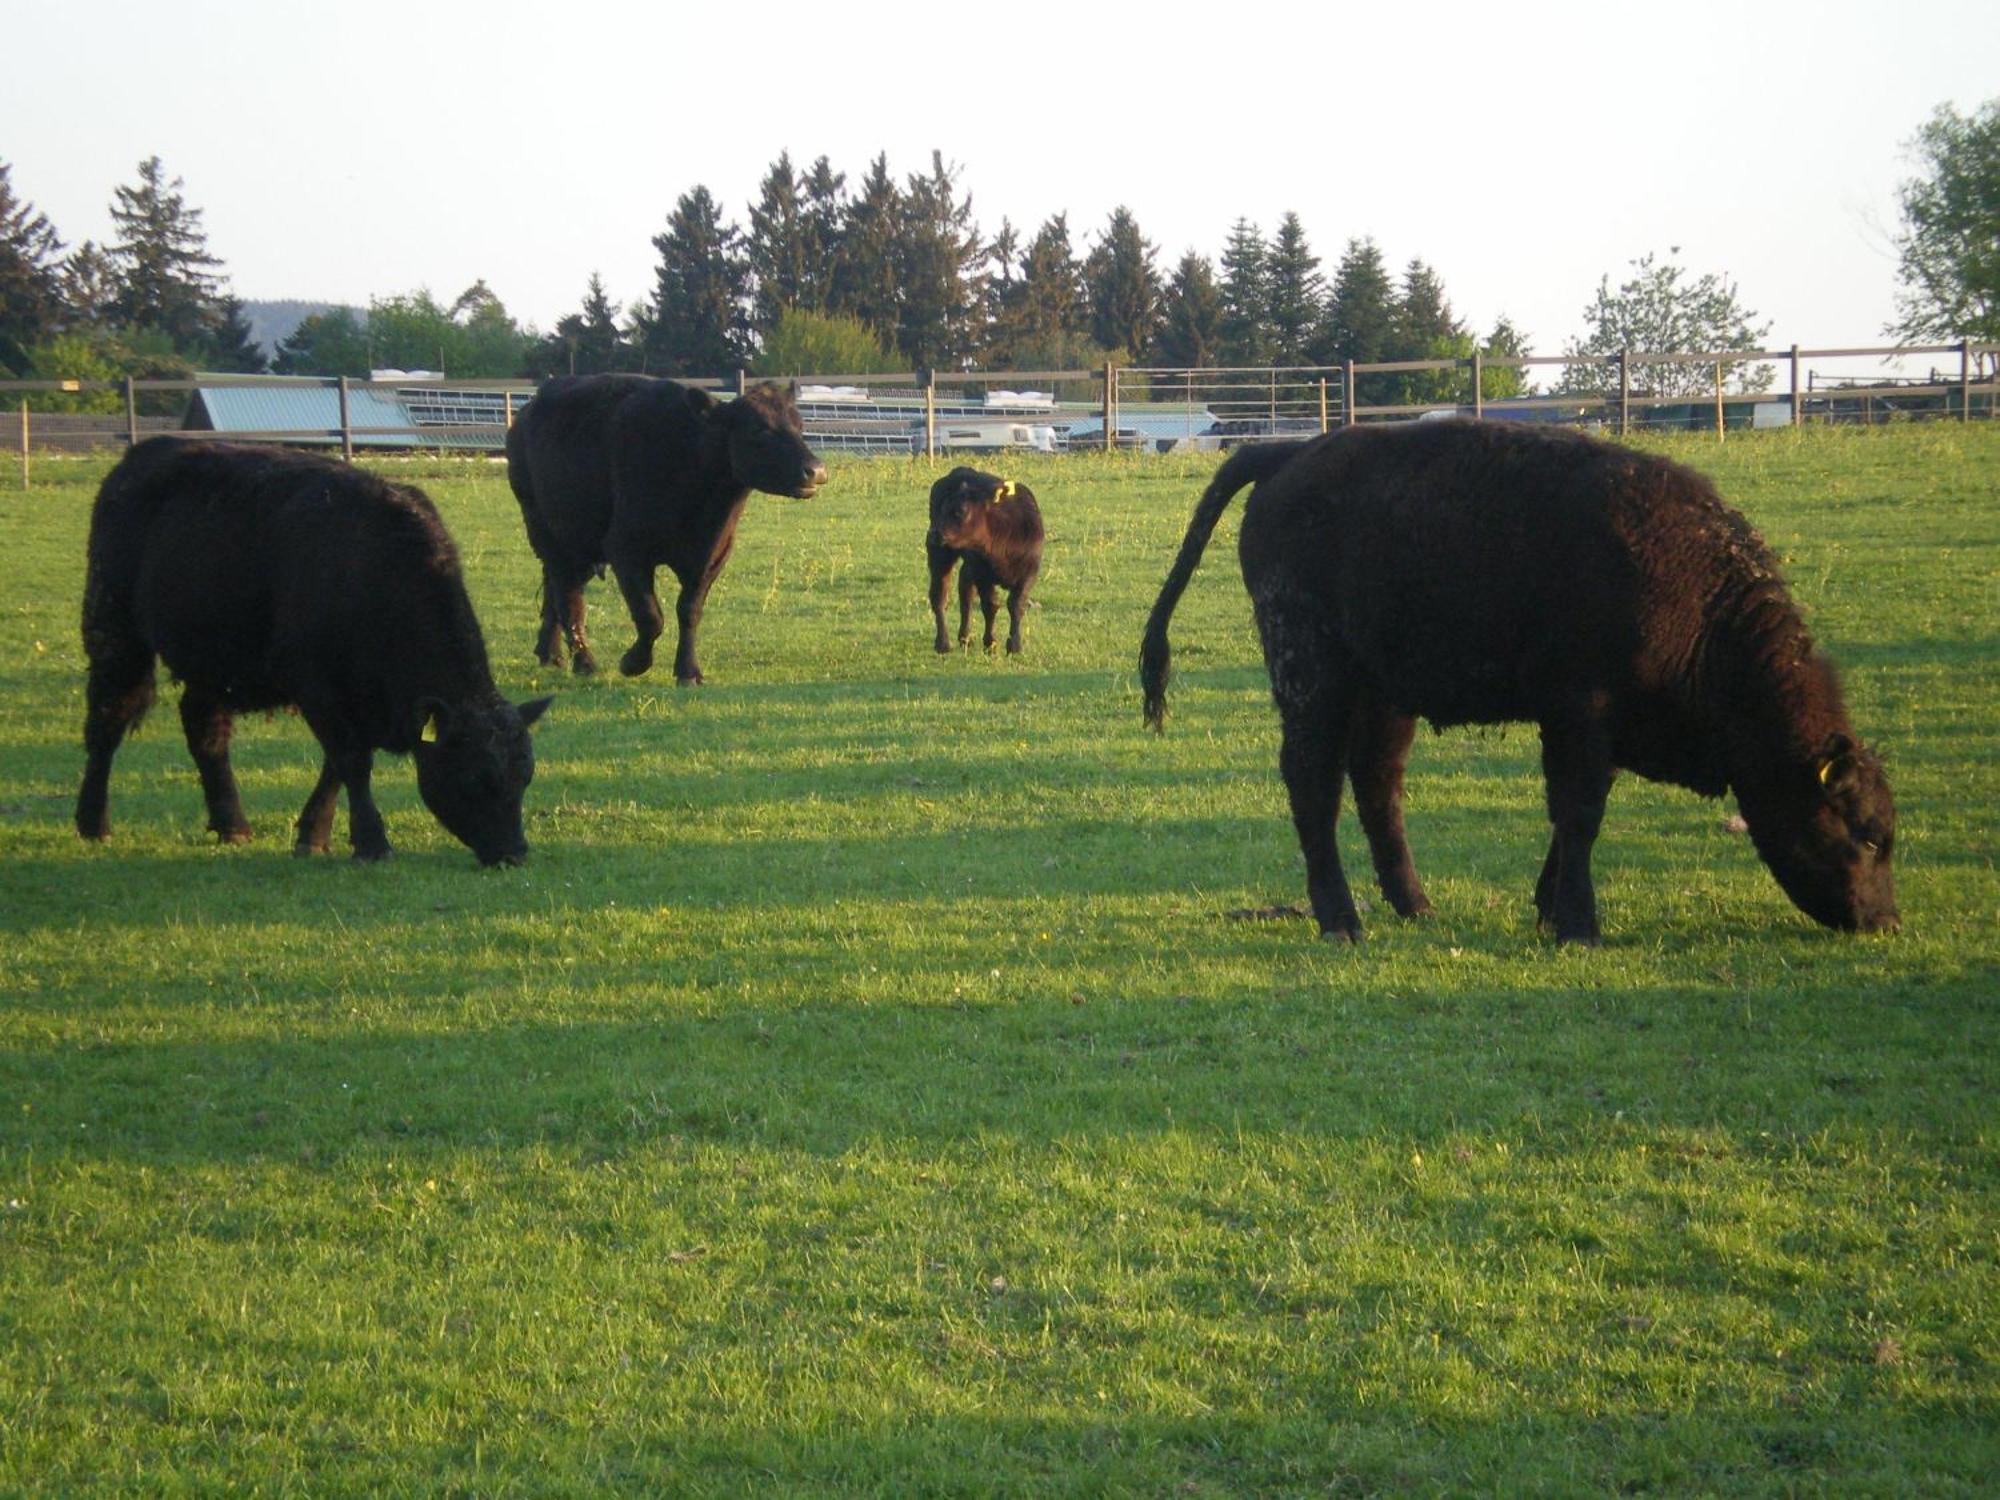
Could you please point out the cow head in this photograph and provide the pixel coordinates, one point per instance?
(766, 443)
(962, 507)
(473, 764)
(1828, 832)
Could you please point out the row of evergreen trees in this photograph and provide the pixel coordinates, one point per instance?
(151, 302)
(823, 279)
(898, 275)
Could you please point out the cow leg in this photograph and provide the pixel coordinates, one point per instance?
(1577, 771)
(208, 726)
(581, 660)
(117, 696)
(989, 606)
(1017, 600)
(365, 830)
(635, 582)
(965, 587)
(1312, 759)
(315, 828)
(547, 651)
(941, 564)
(1378, 749)
(688, 606)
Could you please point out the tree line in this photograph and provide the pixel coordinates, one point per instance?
(894, 273)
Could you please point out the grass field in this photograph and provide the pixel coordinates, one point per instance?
(865, 1086)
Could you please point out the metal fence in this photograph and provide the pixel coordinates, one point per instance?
(1126, 408)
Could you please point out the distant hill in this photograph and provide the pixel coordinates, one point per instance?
(271, 323)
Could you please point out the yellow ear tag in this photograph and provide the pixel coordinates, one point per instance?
(429, 734)
(1006, 491)
(1825, 770)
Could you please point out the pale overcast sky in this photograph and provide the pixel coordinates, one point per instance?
(340, 151)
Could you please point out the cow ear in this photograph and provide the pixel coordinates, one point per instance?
(532, 711)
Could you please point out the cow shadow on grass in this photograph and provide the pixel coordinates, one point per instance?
(645, 1047)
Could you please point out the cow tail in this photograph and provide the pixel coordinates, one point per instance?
(1247, 465)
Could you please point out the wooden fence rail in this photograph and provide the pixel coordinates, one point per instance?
(1108, 407)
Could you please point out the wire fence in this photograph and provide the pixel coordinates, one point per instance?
(1145, 409)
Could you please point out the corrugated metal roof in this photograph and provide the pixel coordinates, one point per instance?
(310, 413)
(305, 414)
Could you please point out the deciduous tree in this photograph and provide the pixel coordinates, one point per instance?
(1950, 241)
(1660, 310)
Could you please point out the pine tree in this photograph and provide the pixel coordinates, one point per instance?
(89, 287)
(167, 280)
(1124, 287)
(229, 347)
(329, 343)
(30, 278)
(778, 246)
(1246, 297)
(696, 325)
(864, 284)
(937, 259)
(1424, 328)
(1000, 293)
(1295, 293)
(1049, 311)
(825, 210)
(1360, 318)
(1191, 333)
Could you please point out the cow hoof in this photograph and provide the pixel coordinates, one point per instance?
(635, 663)
(239, 835)
(941, 646)
(693, 679)
(373, 856)
(304, 850)
(583, 665)
(1350, 935)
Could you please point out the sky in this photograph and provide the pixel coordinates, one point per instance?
(343, 151)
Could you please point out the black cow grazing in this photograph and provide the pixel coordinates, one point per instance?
(1478, 573)
(994, 528)
(264, 578)
(635, 472)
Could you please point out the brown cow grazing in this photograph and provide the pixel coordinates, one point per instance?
(264, 578)
(635, 472)
(1479, 573)
(994, 528)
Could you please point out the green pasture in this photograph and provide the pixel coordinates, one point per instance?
(889, 1073)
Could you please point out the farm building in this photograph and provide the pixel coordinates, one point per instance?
(308, 414)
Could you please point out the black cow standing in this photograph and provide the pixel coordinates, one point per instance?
(991, 530)
(1479, 573)
(634, 472)
(264, 578)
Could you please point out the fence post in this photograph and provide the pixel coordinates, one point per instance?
(1347, 394)
(507, 397)
(930, 414)
(1798, 409)
(1624, 391)
(346, 427)
(131, 415)
(1965, 380)
(24, 443)
(1718, 400)
(1322, 404)
(1110, 406)
(742, 380)
(1478, 385)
